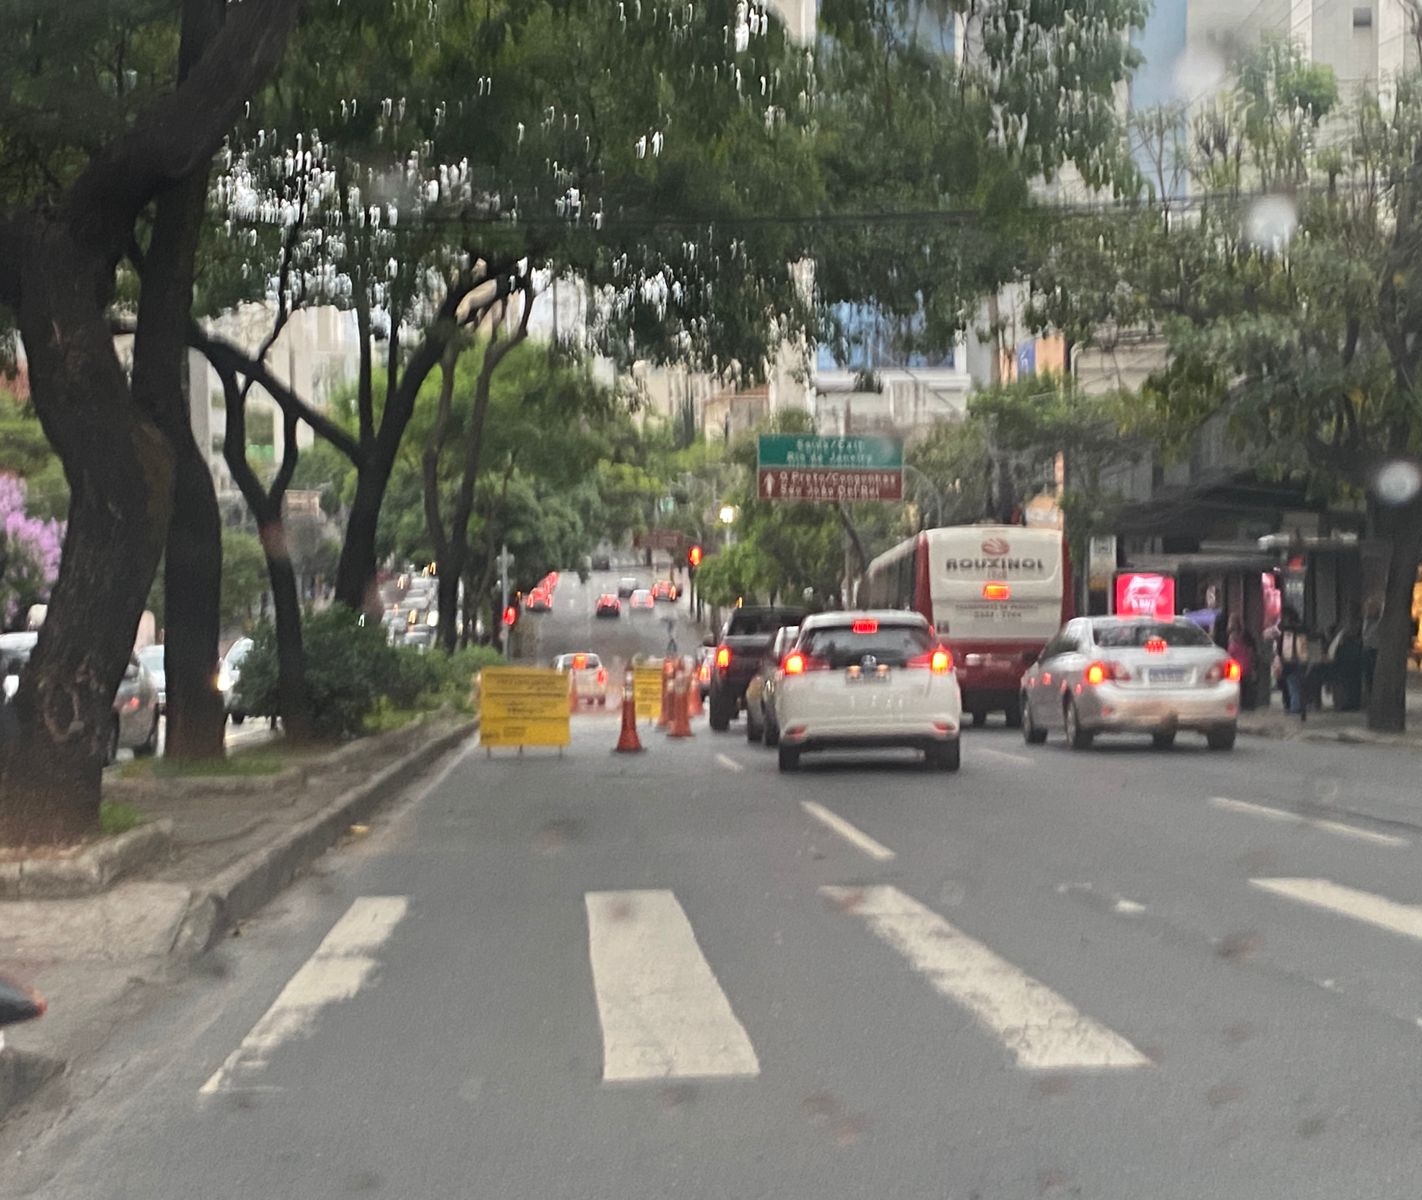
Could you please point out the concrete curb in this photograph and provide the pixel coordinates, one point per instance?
(22, 1074)
(1350, 737)
(250, 882)
(87, 873)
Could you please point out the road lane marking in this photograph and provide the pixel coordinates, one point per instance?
(855, 837)
(1225, 804)
(663, 1014)
(729, 763)
(1405, 919)
(1043, 1030)
(341, 966)
(1021, 760)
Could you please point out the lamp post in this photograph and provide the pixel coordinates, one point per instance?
(728, 516)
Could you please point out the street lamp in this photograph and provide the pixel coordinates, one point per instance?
(728, 519)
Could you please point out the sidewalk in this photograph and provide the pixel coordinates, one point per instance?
(1330, 726)
(238, 840)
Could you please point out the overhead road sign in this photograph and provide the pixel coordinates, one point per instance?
(808, 467)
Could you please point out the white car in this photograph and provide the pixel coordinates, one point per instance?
(589, 676)
(227, 676)
(1131, 675)
(867, 680)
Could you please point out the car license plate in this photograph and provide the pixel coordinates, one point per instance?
(1167, 675)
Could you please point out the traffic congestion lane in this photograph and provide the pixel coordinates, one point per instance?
(877, 996)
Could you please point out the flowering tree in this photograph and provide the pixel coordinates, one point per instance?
(29, 551)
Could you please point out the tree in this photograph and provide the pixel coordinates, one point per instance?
(1288, 291)
(244, 575)
(62, 233)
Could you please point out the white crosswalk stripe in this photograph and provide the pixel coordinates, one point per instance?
(341, 966)
(1042, 1029)
(1405, 919)
(663, 1014)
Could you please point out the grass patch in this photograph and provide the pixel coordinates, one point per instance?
(268, 758)
(115, 818)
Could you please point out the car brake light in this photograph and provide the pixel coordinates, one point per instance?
(723, 658)
(865, 625)
(131, 704)
(1098, 672)
(997, 591)
(941, 661)
(602, 675)
(1232, 670)
(794, 664)
(1155, 645)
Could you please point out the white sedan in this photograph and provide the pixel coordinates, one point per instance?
(589, 676)
(868, 680)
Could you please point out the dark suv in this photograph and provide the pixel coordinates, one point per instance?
(744, 639)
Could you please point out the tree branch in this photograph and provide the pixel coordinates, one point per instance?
(290, 453)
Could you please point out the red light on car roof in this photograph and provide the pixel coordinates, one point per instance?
(997, 591)
(865, 625)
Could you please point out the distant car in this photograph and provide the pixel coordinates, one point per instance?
(626, 586)
(152, 658)
(600, 562)
(227, 676)
(419, 639)
(589, 676)
(866, 680)
(664, 589)
(642, 598)
(1131, 675)
(549, 582)
(608, 605)
(135, 724)
(538, 601)
(760, 692)
(705, 663)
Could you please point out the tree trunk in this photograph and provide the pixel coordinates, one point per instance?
(1387, 703)
(292, 696)
(356, 585)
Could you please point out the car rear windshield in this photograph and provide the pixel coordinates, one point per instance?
(1138, 633)
(892, 645)
(748, 622)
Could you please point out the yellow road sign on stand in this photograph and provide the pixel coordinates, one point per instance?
(524, 706)
(647, 691)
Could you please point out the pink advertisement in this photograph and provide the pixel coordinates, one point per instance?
(1145, 595)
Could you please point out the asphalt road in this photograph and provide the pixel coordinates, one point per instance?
(1121, 973)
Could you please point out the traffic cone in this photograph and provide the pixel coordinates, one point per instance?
(693, 697)
(680, 726)
(627, 740)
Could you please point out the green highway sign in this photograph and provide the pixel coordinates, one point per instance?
(809, 452)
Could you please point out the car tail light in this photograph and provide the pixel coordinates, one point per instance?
(132, 703)
(865, 625)
(723, 658)
(1155, 645)
(1227, 670)
(794, 664)
(703, 673)
(602, 675)
(997, 591)
(1105, 672)
(939, 660)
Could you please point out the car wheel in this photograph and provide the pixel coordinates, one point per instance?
(753, 731)
(1163, 741)
(1077, 737)
(150, 743)
(1032, 733)
(789, 758)
(722, 710)
(945, 757)
(979, 718)
(1014, 714)
(238, 718)
(112, 748)
(1220, 739)
(772, 734)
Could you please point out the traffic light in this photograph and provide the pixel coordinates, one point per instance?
(511, 615)
(693, 557)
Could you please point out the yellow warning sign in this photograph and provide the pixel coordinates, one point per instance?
(524, 706)
(647, 691)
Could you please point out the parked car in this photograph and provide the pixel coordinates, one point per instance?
(228, 675)
(760, 692)
(869, 680)
(135, 713)
(152, 657)
(608, 605)
(1131, 675)
(746, 636)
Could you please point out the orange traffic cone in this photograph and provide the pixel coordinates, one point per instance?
(693, 697)
(627, 741)
(680, 726)
(665, 716)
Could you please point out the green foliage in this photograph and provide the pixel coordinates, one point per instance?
(244, 575)
(115, 818)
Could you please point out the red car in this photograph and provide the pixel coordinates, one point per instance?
(664, 589)
(608, 605)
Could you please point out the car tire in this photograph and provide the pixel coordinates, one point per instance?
(150, 743)
(1077, 737)
(1163, 741)
(945, 757)
(238, 718)
(789, 757)
(979, 718)
(1220, 739)
(721, 712)
(112, 748)
(1032, 733)
(772, 734)
(1013, 712)
(754, 732)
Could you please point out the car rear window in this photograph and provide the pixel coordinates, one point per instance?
(747, 622)
(1138, 633)
(892, 645)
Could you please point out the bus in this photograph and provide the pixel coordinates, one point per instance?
(994, 593)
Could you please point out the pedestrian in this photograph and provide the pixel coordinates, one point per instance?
(1293, 663)
(1372, 634)
(1345, 652)
(1240, 647)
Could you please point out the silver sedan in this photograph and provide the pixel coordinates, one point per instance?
(1131, 675)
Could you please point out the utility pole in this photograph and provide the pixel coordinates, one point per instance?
(504, 599)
